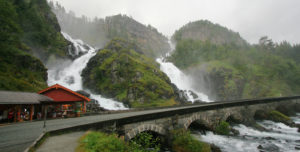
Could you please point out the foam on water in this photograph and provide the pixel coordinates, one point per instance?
(284, 137)
(70, 75)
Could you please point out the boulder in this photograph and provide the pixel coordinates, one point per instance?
(268, 147)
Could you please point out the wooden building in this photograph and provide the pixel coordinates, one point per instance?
(21, 106)
(64, 101)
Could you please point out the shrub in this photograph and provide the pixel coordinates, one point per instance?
(223, 128)
(278, 116)
(102, 142)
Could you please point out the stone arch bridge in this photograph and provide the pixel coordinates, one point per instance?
(209, 115)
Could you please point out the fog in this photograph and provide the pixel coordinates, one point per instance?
(252, 19)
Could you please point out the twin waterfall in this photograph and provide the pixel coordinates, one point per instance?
(69, 74)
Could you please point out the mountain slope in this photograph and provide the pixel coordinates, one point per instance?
(119, 71)
(41, 31)
(98, 32)
(228, 69)
(19, 70)
(205, 30)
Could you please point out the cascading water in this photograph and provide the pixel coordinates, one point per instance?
(181, 80)
(70, 75)
(280, 138)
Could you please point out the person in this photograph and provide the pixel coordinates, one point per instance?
(10, 116)
(64, 114)
(39, 115)
(54, 114)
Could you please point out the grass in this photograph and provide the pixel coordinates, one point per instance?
(183, 142)
(101, 142)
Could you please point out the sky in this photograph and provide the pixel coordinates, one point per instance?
(277, 19)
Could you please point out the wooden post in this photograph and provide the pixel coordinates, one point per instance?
(45, 116)
(19, 113)
(84, 107)
(15, 113)
(31, 112)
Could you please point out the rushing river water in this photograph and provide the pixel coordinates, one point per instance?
(280, 138)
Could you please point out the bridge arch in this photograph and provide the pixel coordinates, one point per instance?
(145, 127)
(190, 120)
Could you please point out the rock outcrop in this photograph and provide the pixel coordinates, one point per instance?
(121, 72)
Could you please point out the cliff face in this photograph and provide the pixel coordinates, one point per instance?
(119, 71)
(98, 32)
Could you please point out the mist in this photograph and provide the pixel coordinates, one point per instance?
(252, 19)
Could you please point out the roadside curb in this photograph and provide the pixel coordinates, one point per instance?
(37, 142)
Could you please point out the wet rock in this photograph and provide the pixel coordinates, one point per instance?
(268, 147)
(93, 106)
(214, 148)
(69, 80)
(269, 138)
(195, 96)
(84, 93)
(259, 147)
(235, 132)
(298, 126)
(199, 102)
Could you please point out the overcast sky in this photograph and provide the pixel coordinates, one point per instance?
(278, 19)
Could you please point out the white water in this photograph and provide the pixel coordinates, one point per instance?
(70, 75)
(285, 138)
(181, 80)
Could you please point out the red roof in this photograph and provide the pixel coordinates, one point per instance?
(62, 94)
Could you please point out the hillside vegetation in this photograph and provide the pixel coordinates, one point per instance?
(40, 29)
(99, 31)
(19, 70)
(228, 71)
(205, 30)
(121, 72)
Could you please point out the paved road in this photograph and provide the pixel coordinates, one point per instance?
(61, 143)
(17, 137)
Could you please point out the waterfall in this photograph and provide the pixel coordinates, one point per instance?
(180, 79)
(69, 73)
